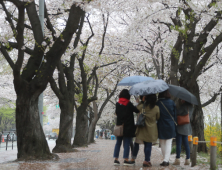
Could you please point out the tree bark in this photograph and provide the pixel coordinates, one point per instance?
(81, 135)
(32, 79)
(198, 120)
(221, 117)
(93, 123)
(63, 143)
(92, 129)
(31, 141)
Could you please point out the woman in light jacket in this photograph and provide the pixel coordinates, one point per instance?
(149, 133)
(183, 131)
(166, 125)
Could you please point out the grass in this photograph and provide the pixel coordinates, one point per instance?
(207, 156)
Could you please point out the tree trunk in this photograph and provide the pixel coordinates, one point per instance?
(81, 135)
(63, 143)
(221, 118)
(198, 120)
(31, 141)
(92, 128)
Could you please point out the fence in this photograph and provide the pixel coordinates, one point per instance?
(193, 143)
(9, 140)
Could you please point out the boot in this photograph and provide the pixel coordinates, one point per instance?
(187, 162)
(177, 161)
(147, 164)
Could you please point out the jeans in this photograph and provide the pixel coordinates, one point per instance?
(135, 150)
(179, 139)
(131, 146)
(126, 141)
(147, 150)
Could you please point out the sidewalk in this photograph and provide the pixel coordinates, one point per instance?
(97, 156)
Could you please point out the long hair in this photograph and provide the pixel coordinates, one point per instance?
(124, 94)
(179, 103)
(150, 100)
(164, 94)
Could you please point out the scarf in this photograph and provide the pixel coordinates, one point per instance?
(123, 101)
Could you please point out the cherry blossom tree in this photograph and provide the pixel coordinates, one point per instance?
(90, 80)
(183, 55)
(24, 37)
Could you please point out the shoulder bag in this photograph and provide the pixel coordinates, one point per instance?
(183, 119)
(141, 119)
(118, 130)
(169, 113)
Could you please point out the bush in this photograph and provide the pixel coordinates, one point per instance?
(213, 130)
(173, 150)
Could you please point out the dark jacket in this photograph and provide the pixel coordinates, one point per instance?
(125, 116)
(166, 125)
(183, 110)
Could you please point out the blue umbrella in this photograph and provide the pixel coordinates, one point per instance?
(129, 81)
(148, 87)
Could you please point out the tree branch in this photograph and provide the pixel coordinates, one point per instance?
(55, 88)
(105, 23)
(48, 23)
(20, 41)
(213, 98)
(6, 55)
(9, 19)
(107, 100)
(202, 62)
(61, 80)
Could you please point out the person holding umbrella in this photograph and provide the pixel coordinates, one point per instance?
(125, 117)
(149, 132)
(183, 108)
(166, 124)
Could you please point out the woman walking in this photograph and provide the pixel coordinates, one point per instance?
(149, 132)
(124, 112)
(166, 125)
(183, 131)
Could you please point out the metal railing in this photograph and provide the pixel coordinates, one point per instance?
(193, 143)
(9, 140)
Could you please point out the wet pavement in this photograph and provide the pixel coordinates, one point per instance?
(97, 156)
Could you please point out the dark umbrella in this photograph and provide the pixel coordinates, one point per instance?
(182, 93)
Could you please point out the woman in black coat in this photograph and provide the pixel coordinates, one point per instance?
(124, 112)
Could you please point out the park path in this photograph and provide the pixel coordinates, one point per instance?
(97, 156)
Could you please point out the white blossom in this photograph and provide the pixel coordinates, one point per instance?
(23, 47)
(44, 43)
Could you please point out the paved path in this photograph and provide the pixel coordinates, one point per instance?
(97, 156)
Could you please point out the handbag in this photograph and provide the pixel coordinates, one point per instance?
(141, 119)
(118, 130)
(169, 113)
(183, 119)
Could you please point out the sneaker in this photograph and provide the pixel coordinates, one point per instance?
(187, 162)
(116, 162)
(132, 162)
(164, 163)
(177, 161)
(128, 163)
(147, 164)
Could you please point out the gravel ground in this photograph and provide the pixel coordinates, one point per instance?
(97, 156)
